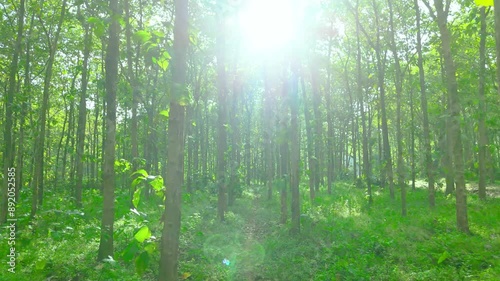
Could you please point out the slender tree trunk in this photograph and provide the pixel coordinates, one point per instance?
(423, 104)
(222, 120)
(399, 89)
(295, 149)
(82, 115)
(318, 124)
(267, 124)
(483, 137)
(106, 247)
(310, 143)
(454, 105)
(39, 154)
(366, 159)
(132, 80)
(283, 140)
(387, 162)
(8, 156)
(24, 110)
(329, 120)
(497, 39)
(169, 259)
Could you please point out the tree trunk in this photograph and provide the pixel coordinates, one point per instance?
(483, 137)
(222, 120)
(497, 39)
(318, 124)
(8, 156)
(106, 247)
(174, 173)
(310, 144)
(39, 154)
(294, 149)
(82, 115)
(454, 105)
(366, 158)
(399, 89)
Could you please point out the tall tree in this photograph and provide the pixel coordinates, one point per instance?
(8, 156)
(52, 41)
(174, 170)
(106, 247)
(221, 115)
(497, 39)
(483, 136)
(399, 89)
(442, 12)
(82, 112)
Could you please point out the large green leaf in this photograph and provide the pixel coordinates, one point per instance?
(140, 172)
(141, 263)
(143, 234)
(130, 251)
(163, 63)
(137, 197)
(137, 181)
(141, 36)
(486, 3)
(157, 183)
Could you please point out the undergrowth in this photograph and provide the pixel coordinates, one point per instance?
(342, 238)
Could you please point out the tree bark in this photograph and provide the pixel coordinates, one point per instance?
(294, 149)
(222, 119)
(40, 144)
(454, 105)
(310, 144)
(106, 247)
(497, 39)
(8, 156)
(174, 173)
(483, 137)
(399, 89)
(82, 115)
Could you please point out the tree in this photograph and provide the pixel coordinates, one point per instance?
(52, 42)
(454, 107)
(222, 117)
(106, 247)
(82, 113)
(174, 169)
(425, 114)
(8, 156)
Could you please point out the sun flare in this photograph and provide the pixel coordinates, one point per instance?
(267, 26)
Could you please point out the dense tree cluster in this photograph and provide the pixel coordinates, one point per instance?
(386, 93)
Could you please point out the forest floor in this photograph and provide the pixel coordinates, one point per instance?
(342, 238)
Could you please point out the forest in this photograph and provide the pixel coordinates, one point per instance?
(244, 140)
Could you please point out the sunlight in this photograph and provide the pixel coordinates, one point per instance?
(267, 25)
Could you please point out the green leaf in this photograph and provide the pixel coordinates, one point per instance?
(150, 248)
(165, 112)
(141, 36)
(143, 234)
(141, 263)
(136, 181)
(130, 251)
(141, 172)
(166, 55)
(94, 20)
(486, 3)
(163, 63)
(98, 24)
(157, 183)
(40, 265)
(137, 197)
(443, 257)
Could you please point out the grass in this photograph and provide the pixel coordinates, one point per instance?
(342, 238)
